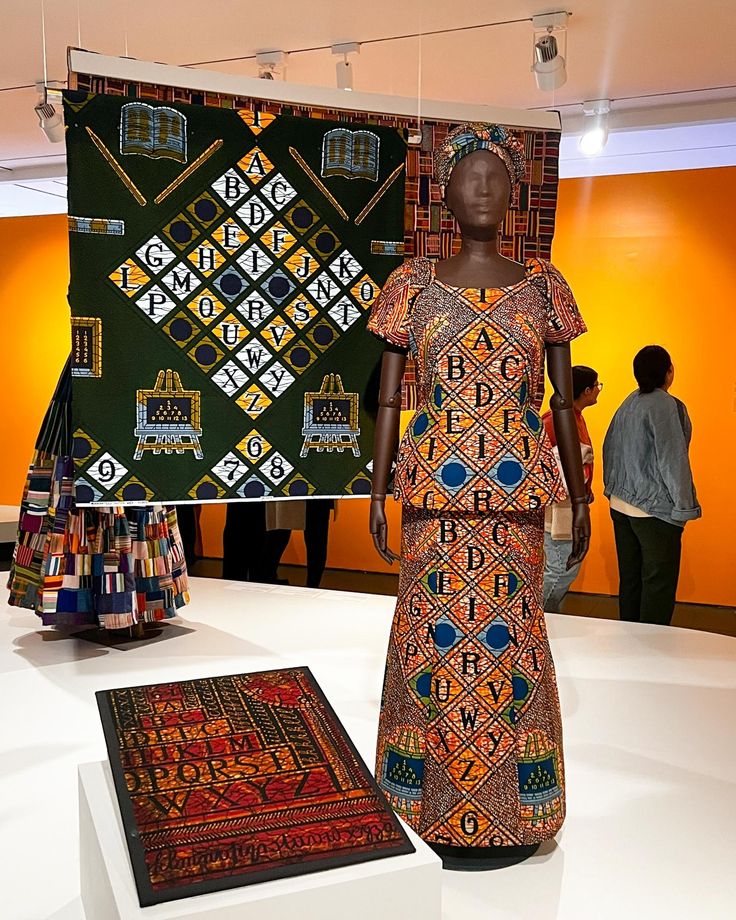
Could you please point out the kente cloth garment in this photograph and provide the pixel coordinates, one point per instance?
(108, 567)
(222, 269)
(470, 741)
(470, 735)
(476, 442)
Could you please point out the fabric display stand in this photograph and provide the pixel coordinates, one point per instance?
(107, 567)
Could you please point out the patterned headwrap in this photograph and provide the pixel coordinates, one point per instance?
(478, 136)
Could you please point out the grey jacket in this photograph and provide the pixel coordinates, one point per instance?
(645, 460)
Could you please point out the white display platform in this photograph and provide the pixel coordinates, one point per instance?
(392, 887)
(9, 515)
(650, 747)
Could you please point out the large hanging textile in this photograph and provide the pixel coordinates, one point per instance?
(223, 263)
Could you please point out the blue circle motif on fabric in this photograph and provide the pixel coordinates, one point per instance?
(325, 242)
(302, 218)
(523, 391)
(298, 487)
(520, 687)
(134, 492)
(432, 581)
(180, 329)
(231, 284)
(361, 487)
(454, 474)
(180, 232)
(509, 472)
(81, 448)
(424, 684)
(299, 356)
(205, 209)
(254, 489)
(206, 490)
(533, 420)
(497, 636)
(205, 354)
(444, 635)
(420, 425)
(278, 286)
(323, 335)
(84, 493)
(437, 396)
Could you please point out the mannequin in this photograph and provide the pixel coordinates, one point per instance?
(441, 756)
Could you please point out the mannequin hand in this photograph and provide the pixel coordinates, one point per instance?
(580, 533)
(379, 531)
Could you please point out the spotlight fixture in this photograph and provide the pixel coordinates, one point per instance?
(549, 66)
(343, 68)
(50, 115)
(272, 64)
(595, 127)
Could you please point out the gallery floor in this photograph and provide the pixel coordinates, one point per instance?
(650, 748)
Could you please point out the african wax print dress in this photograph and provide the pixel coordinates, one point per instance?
(470, 736)
(109, 567)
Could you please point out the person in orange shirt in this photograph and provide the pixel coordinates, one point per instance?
(558, 516)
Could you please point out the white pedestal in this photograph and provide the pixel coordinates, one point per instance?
(400, 887)
(9, 515)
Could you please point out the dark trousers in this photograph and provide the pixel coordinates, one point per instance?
(249, 551)
(648, 553)
(316, 532)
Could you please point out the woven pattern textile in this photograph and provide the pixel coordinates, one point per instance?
(228, 781)
(107, 567)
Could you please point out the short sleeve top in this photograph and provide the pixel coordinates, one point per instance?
(476, 442)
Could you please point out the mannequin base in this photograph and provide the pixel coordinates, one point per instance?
(481, 859)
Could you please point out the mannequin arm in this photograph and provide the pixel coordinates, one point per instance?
(559, 368)
(384, 446)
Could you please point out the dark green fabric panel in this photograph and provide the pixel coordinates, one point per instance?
(132, 319)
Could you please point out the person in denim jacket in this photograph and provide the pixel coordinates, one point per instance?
(648, 481)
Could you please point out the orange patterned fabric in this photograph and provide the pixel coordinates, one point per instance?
(476, 442)
(470, 735)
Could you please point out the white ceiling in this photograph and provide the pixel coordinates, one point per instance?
(674, 56)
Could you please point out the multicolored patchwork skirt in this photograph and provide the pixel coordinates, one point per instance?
(109, 567)
(470, 734)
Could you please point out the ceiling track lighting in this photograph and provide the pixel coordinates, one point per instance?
(272, 64)
(50, 113)
(343, 68)
(549, 66)
(595, 127)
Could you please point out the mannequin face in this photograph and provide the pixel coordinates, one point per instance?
(478, 194)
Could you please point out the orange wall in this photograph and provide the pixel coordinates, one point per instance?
(650, 258)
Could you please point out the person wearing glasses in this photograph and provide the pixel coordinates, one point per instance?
(649, 483)
(558, 576)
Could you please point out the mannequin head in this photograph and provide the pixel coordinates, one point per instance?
(653, 369)
(478, 194)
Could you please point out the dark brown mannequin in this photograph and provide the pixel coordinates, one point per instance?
(478, 195)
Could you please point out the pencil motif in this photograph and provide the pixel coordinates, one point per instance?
(120, 172)
(213, 147)
(379, 194)
(319, 183)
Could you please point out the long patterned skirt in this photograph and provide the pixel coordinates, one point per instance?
(108, 567)
(470, 736)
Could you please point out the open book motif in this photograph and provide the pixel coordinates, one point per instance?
(351, 154)
(153, 131)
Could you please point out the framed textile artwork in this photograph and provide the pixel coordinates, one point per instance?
(223, 263)
(229, 781)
